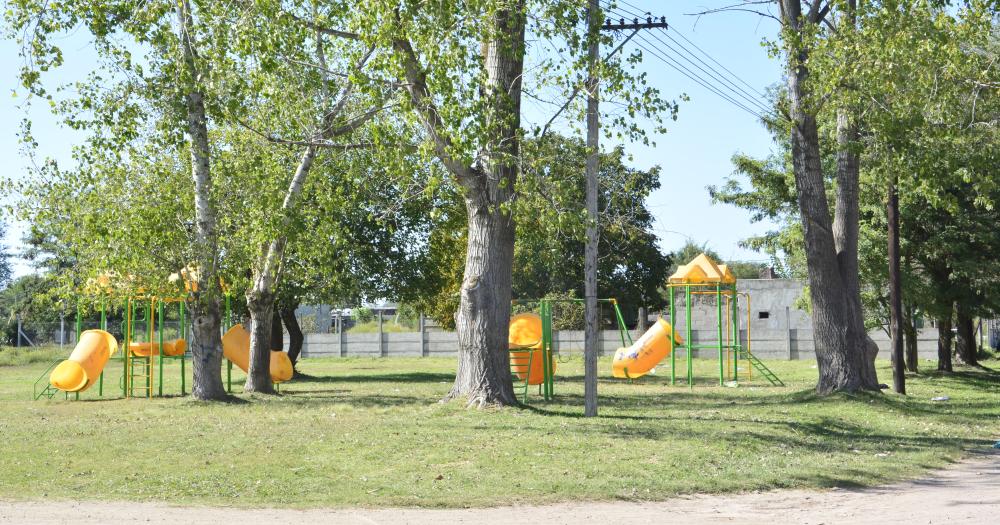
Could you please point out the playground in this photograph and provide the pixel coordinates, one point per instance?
(369, 432)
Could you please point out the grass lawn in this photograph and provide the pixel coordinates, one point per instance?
(370, 432)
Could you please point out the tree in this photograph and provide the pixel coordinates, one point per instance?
(30, 300)
(161, 99)
(463, 68)
(6, 270)
(916, 125)
(548, 255)
(844, 353)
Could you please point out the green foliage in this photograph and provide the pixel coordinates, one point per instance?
(363, 314)
(6, 270)
(551, 221)
(916, 72)
(33, 299)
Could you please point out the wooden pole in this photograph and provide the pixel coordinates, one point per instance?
(590, 251)
(895, 290)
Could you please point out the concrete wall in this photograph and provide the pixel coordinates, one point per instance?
(766, 344)
(778, 330)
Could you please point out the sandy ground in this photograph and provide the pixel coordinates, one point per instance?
(967, 492)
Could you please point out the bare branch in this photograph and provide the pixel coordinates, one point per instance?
(355, 123)
(324, 30)
(327, 144)
(739, 7)
(577, 89)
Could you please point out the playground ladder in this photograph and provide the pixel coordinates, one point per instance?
(520, 366)
(141, 369)
(763, 369)
(46, 389)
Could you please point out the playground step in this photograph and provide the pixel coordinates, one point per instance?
(48, 392)
(763, 369)
(42, 387)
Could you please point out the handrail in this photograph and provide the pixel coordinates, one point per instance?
(45, 375)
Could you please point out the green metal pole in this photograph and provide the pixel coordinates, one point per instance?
(104, 326)
(229, 376)
(736, 335)
(79, 321)
(229, 314)
(159, 355)
(622, 331)
(673, 348)
(687, 332)
(718, 306)
(182, 334)
(127, 357)
(546, 310)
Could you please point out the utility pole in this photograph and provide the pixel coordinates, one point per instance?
(592, 327)
(895, 289)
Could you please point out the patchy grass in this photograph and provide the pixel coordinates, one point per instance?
(370, 432)
(26, 355)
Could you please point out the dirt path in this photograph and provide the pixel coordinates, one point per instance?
(968, 492)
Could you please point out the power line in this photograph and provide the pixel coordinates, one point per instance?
(694, 76)
(712, 72)
(726, 83)
(702, 51)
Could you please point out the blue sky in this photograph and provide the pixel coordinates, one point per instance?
(694, 154)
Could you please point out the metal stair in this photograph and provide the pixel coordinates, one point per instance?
(762, 368)
(140, 370)
(42, 387)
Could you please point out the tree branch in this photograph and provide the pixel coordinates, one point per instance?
(416, 86)
(576, 90)
(325, 30)
(327, 144)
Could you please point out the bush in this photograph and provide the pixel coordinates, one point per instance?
(364, 315)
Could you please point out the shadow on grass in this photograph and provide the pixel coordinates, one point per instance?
(401, 377)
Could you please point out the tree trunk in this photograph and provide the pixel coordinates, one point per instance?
(944, 343)
(483, 316)
(277, 335)
(483, 374)
(966, 348)
(895, 290)
(260, 306)
(206, 346)
(844, 355)
(260, 298)
(910, 337)
(295, 336)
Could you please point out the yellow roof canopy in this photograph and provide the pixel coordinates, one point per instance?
(702, 270)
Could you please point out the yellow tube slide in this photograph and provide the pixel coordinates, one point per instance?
(170, 348)
(526, 333)
(638, 359)
(236, 348)
(84, 365)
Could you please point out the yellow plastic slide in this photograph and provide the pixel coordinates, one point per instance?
(236, 348)
(638, 359)
(526, 333)
(84, 365)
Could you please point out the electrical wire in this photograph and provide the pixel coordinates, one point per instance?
(680, 68)
(719, 82)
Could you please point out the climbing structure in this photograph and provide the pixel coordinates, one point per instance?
(703, 277)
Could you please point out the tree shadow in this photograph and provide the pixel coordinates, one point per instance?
(400, 377)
